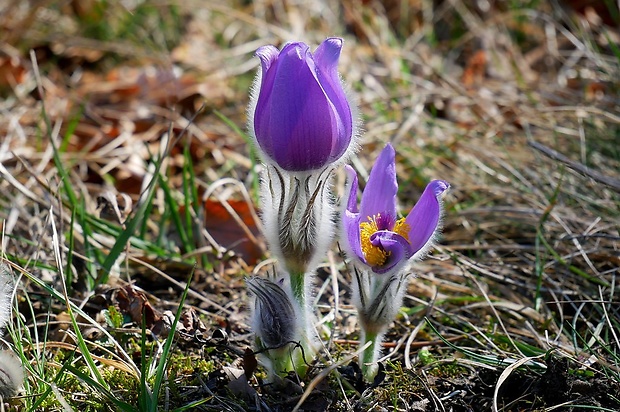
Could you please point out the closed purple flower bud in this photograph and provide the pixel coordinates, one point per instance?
(300, 117)
(274, 319)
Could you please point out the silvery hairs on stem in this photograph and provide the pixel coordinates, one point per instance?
(11, 371)
(297, 217)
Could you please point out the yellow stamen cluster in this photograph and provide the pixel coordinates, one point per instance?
(402, 228)
(376, 256)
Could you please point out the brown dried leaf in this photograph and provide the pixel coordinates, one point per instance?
(12, 72)
(475, 69)
(223, 227)
(191, 325)
(135, 304)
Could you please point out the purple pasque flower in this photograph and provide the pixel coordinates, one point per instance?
(301, 117)
(374, 233)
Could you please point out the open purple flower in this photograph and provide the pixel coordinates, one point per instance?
(383, 245)
(374, 234)
(302, 119)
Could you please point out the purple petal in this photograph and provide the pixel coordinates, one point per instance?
(267, 55)
(352, 201)
(326, 58)
(424, 217)
(294, 121)
(299, 122)
(380, 193)
(351, 219)
(398, 247)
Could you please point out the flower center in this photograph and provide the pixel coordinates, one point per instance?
(376, 255)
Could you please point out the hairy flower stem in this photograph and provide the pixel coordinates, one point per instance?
(298, 284)
(283, 359)
(368, 358)
(308, 349)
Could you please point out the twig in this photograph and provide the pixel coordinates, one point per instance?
(418, 344)
(576, 166)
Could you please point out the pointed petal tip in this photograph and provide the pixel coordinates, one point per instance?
(389, 149)
(327, 56)
(439, 186)
(296, 49)
(333, 42)
(380, 193)
(351, 174)
(423, 220)
(386, 157)
(267, 55)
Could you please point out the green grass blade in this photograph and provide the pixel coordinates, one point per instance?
(163, 363)
(175, 215)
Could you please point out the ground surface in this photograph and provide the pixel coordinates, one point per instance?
(125, 172)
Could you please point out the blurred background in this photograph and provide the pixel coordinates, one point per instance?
(515, 103)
